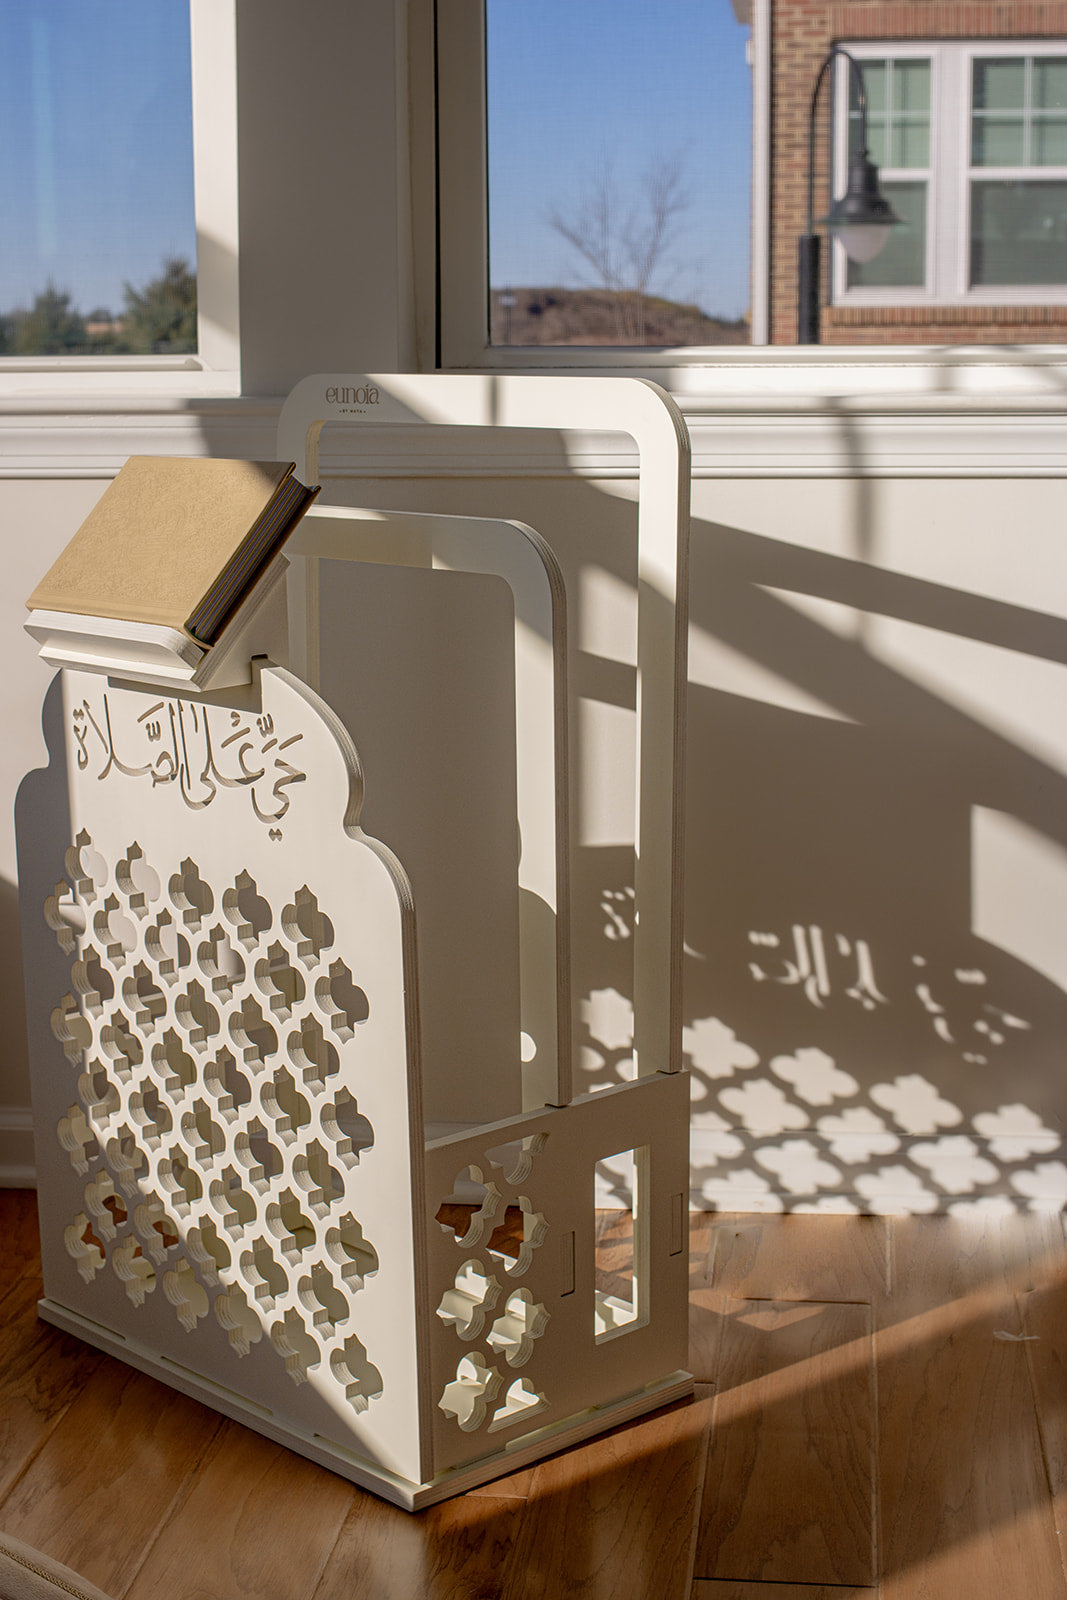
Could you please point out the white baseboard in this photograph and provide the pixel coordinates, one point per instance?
(18, 1164)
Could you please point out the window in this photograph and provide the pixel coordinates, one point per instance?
(971, 145)
(98, 248)
(595, 186)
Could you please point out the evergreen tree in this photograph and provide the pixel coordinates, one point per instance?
(160, 319)
(51, 328)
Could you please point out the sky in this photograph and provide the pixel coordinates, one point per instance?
(577, 84)
(96, 177)
(96, 171)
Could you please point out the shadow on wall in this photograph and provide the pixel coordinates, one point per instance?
(16, 1068)
(855, 1044)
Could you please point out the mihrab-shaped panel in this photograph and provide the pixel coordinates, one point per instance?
(224, 1082)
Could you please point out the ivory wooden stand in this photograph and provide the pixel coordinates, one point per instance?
(280, 1166)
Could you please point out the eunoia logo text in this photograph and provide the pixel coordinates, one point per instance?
(343, 395)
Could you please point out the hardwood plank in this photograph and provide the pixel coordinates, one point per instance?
(1044, 1319)
(259, 1522)
(615, 1516)
(789, 1487)
(965, 1503)
(20, 1251)
(701, 1233)
(106, 1477)
(800, 1257)
(452, 1551)
(41, 1372)
(706, 1310)
(715, 1589)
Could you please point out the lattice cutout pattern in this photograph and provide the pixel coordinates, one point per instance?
(212, 1129)
(485, 1211)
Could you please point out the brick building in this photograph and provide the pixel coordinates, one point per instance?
(968, 125)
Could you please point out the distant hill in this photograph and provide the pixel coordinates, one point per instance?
(602, 317)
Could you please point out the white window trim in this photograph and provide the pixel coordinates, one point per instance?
(950, 176)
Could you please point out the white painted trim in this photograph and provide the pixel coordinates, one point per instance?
(760, 245)
(213, 38)
(18, 1163)
(961, 419)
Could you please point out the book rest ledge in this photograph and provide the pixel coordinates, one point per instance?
(166, 657)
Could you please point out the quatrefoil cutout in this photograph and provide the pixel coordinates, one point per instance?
(92, 981)
(468, 1397)
(137, 881)
(296, 1346)
(521, 1401)
(293, 1229)
(361, 1379)
(471, 1207)
(85, 867)
(263, 1274)
(186, 1295)
(181, 1181)
(517, 1237)
(355, 1255)
(341, 1000)
(99, 1095)
(246, 910)
(321, 1297)
(77, 1139)
(240, 1321)
(346, 1125)
(313, 1053)
(168, 949)
(133, 1269)
(514, 1334)
(173, 1063)
(84, 1247)
(467, 1303)
(306, 927)
(71, 1029)
(517, 1158)
(253, 1034)
(144, 998)
(279, 981)
(65, 916)
(285, 1105)
(196, 1015)
(119, 1042)
(191, 895)
(220, 963)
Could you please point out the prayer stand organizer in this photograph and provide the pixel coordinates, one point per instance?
(284, 1165)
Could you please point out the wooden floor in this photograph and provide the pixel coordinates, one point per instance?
(881, 1411)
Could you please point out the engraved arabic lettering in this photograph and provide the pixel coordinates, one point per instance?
(249, 756)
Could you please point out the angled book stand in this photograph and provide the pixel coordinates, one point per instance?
(281, 1166)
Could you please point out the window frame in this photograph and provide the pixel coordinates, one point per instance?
(951, 175)
(214, 368)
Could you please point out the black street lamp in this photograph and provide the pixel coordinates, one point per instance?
(861, 217)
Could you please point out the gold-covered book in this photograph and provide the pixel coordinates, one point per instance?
(177, 541)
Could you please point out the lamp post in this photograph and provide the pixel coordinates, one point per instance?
(862, 216)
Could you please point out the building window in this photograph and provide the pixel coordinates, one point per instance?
(98, 247)
(594, 184)
(971, 144)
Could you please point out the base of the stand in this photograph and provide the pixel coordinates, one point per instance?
(346, 1463)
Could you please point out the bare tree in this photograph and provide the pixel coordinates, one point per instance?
(625, 237)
